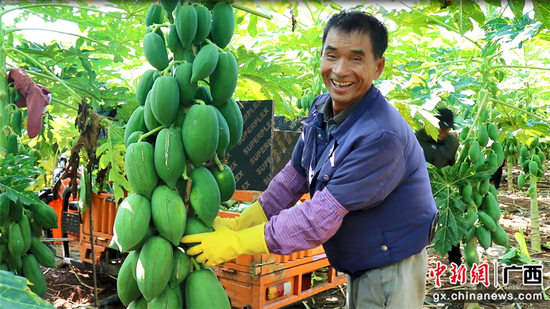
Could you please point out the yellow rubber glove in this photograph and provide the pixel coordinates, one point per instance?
(224, 244)
(251, 216)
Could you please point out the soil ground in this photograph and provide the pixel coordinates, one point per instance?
(70, 287)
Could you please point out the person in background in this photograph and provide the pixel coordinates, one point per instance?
(441, 153)
(371, 203)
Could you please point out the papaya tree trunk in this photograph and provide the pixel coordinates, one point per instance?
(535, 227)
(4, 98)
(510, 176)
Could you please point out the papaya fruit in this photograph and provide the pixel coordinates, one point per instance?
(224, 136)
(16, 243)
(172, 39)
(169, 214)
(180, 118)
(170, 298)
(186, 24)
(11, 145)
(200, 133)
(169, 156)
(225, 180)
(132, 218)
(154, 267)
(492, 160)
(33, 273)
(205, 195)
(524, 152)
(484, 186)
(44, 215)
(487, 221)
(126, 285)
(464, 167)
(196, 226)
(165, 99)
(530, 191)
(25, 228)
(154, 15)
(134, 137)
(474, 153)
(151, 231)
(223, 24)
(234, 118)
(483, 236)
(223, 80)
(16, 210)
(203, 94)
(169, 6)
(186, 87)
(205, 62)
(139, 303)
(467, 193)
(204, 290)
(492, 131)
(464, 133)
(204, 24)
(535, 142)
(4, 208)
(181, 268)
(144, 85)
(499, 236)
(155, 51)
(521, 180)
(470, 234)
(490, 206)
(140, 168)
(135, 123)
(497, 148)
(533, 168)
(16, 121)
(150, 121)
(14, 262)
(42, 253)
(542, 156)
(470, 253)
(471, 217)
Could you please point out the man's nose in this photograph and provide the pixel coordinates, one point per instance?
(341, 67)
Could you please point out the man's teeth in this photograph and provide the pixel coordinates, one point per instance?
(339, 84)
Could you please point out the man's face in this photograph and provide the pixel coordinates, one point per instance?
(443, 133)
(348, 67)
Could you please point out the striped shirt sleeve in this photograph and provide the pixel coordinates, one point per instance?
(306, 225)
(283, 191)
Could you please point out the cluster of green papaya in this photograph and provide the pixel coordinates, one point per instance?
(15, 125)
(304, 103)
(482, 153)
(21, 250)
(532, 160)
(186, 120)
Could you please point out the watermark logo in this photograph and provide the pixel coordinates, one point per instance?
(532, 275)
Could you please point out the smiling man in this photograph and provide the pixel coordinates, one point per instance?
(371, 203)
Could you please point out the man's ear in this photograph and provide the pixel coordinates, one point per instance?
(380, 63)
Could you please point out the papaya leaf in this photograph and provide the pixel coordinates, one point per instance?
(542, 12)
(517, 7)
(14, 293)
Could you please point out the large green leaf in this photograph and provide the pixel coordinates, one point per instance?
(542, 12)
(14, 293)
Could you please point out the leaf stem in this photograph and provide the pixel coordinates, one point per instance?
(21, 7)
(77, 97)
(251, 11)
(442, 63)
(163, 72)
(91, 94)
(155, 130)
(64, 104)
(218, 163)
(521, 110)
(520, 67)
(56, 31)
(210, 42)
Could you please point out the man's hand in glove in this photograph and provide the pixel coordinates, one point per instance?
(251, 216)
(224, 244)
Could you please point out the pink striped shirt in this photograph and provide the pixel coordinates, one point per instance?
(305, 226)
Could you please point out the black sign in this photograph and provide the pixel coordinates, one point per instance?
(265, 148)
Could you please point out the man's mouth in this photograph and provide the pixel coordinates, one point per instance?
(341, 85)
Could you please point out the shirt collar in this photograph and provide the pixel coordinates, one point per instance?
(326, 109)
